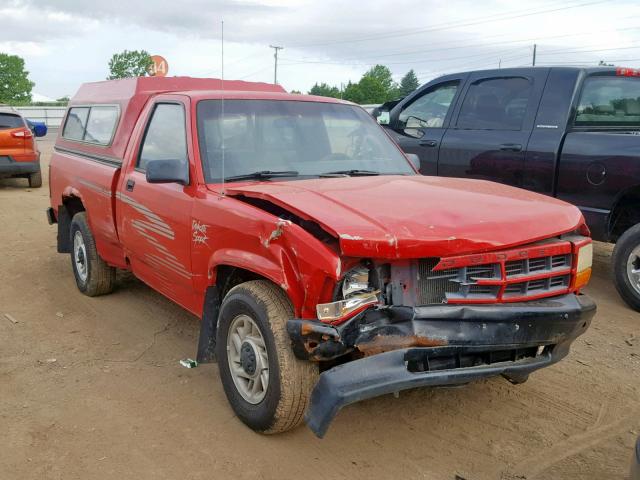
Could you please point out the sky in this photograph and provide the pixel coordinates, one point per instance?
(68, 42)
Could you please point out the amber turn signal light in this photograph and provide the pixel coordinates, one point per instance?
(582, 278)
(585, 260)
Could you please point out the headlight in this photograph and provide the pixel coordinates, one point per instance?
(345, 309)
(355, 281)
(583, 267)
(357, 295)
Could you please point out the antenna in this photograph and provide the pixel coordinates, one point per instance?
(222, 103)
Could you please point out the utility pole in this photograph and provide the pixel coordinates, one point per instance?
(534, 54)
(275, 69)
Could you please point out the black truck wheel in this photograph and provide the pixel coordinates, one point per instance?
(626, 266)
(35, 180)
(93, 276)
(266, 385)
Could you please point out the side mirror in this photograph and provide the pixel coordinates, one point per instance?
(383, 117)
(39, 129)
(168, 171)
(414, 159)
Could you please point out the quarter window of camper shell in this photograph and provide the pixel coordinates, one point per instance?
(92, 124)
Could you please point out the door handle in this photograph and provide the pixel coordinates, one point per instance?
(428, 143)
(511, 147)
(130, 184)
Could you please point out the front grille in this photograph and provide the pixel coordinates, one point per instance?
(503, 279)
(534, 287)
(537, 265)
(436, 286)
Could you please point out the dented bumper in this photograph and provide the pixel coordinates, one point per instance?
(435, 345)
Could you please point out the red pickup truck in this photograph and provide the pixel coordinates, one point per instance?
(324, 268)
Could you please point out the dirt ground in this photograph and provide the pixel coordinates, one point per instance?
(91, 388)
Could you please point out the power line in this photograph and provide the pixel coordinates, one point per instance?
(411, 62)
(562, 52)
(476, 44)
(450, 25)
(255, 73)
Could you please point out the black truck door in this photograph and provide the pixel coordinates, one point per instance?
(599, 158)
(419, 121)
(488, 135)
(550, 126)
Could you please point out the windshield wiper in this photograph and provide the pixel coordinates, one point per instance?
(262, 175)
(353, 173)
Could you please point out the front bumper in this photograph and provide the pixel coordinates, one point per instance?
(9, 167)
(407, 347)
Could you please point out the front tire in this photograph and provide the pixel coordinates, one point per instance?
(626, 266)
(93, 276)
(266, 385)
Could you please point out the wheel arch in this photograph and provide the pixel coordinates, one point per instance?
(72, 203)
(223, 277)
(625, 212)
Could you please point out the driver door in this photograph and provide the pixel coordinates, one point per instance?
(155, 218)
(419, 123)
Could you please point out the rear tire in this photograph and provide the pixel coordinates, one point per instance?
(252, 340)
(93, 276)
(35, 180)
(626, 266)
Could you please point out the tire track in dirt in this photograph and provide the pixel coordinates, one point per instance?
(544, 459)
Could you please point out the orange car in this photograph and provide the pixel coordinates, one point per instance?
(19, 155)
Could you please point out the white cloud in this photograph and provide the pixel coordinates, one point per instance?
(67, 42)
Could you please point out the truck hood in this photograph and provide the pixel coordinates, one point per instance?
(416, 216)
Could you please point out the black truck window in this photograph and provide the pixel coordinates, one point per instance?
(429, 110)
(608, 101)
(495, 104)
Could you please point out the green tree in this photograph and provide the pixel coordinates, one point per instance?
(324, 90)
(408, 84)
(15, 86)
(383, 75)
(372, 90)
(295, 92)
(134, 63)
(353, 93)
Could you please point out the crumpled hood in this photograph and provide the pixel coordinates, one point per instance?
(417, 216)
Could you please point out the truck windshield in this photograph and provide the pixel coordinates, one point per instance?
(303, 138)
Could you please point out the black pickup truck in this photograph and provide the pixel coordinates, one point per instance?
(573, 133)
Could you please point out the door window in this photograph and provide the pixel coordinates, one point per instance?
(166, 136)
(428, 111)
(609, 102)
(495, 104)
